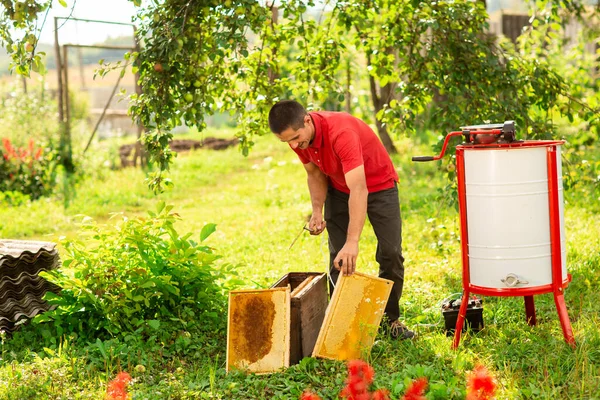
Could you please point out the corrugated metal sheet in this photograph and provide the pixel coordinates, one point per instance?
(21, 288)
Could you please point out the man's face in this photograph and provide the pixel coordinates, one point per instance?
(298, 138)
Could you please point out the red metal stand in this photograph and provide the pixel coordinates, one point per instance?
(530, 310)
(558, 284)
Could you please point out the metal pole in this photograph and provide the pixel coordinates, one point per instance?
(68, 162)
(81, 71)
(95, 20)
(99, 46)
(103, 112)
(58, 73)
(552, 160)
(66, 86)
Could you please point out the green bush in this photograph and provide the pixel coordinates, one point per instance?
(138, 276)
(28, 114)
(13, 199)
(30, 170)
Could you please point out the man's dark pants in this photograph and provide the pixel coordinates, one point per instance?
(383, 210)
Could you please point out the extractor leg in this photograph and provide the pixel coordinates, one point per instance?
(460, 320)
(565, 323)
(530, 310)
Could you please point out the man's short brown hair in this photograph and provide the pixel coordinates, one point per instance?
(285, 114)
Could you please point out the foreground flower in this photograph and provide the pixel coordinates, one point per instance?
(308, 395)
(117, 388)
(416, 390)
(381, 394)
(480, 385)
(360, 377)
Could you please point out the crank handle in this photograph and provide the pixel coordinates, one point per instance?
(423, 158)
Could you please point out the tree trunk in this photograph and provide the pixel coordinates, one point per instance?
(348, 84)
(273, 75)
(139, 153)
(379, 100)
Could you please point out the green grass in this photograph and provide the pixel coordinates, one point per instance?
(259, 204)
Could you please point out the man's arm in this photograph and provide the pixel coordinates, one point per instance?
(357, 209)
(317, 186)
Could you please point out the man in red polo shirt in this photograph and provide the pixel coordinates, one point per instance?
(351, 174)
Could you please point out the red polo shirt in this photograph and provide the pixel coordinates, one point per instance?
(342, 143)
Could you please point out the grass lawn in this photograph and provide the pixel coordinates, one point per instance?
(259, 204)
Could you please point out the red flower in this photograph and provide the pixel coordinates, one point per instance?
(360, 377)
(117, 388)
(381, 394)
(481, 385)
(10, 151)
(361, 369)
(416, 390)
(308, 395)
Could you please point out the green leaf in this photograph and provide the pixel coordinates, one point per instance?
(154, 324)
(207, 230)
(62, 3)
(101, 347)
(49, 351)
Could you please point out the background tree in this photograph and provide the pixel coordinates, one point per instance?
(424, 63)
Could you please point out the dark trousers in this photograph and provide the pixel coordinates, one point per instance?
(383, 210)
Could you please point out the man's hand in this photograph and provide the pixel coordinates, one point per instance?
(316, 225)
(345, 261)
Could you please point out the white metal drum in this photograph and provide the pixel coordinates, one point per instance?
(508, 220)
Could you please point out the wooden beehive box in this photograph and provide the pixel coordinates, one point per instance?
(258, 333)
(353, 317)
(308, 305)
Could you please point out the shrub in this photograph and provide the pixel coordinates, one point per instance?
(13, 199)
(31, 114)
(138, 276)
(30, 170)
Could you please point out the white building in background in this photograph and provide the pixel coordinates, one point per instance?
(507, 5)
(510, 17)
(520, 6)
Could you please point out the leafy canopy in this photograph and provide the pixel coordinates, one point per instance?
(436, 59)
